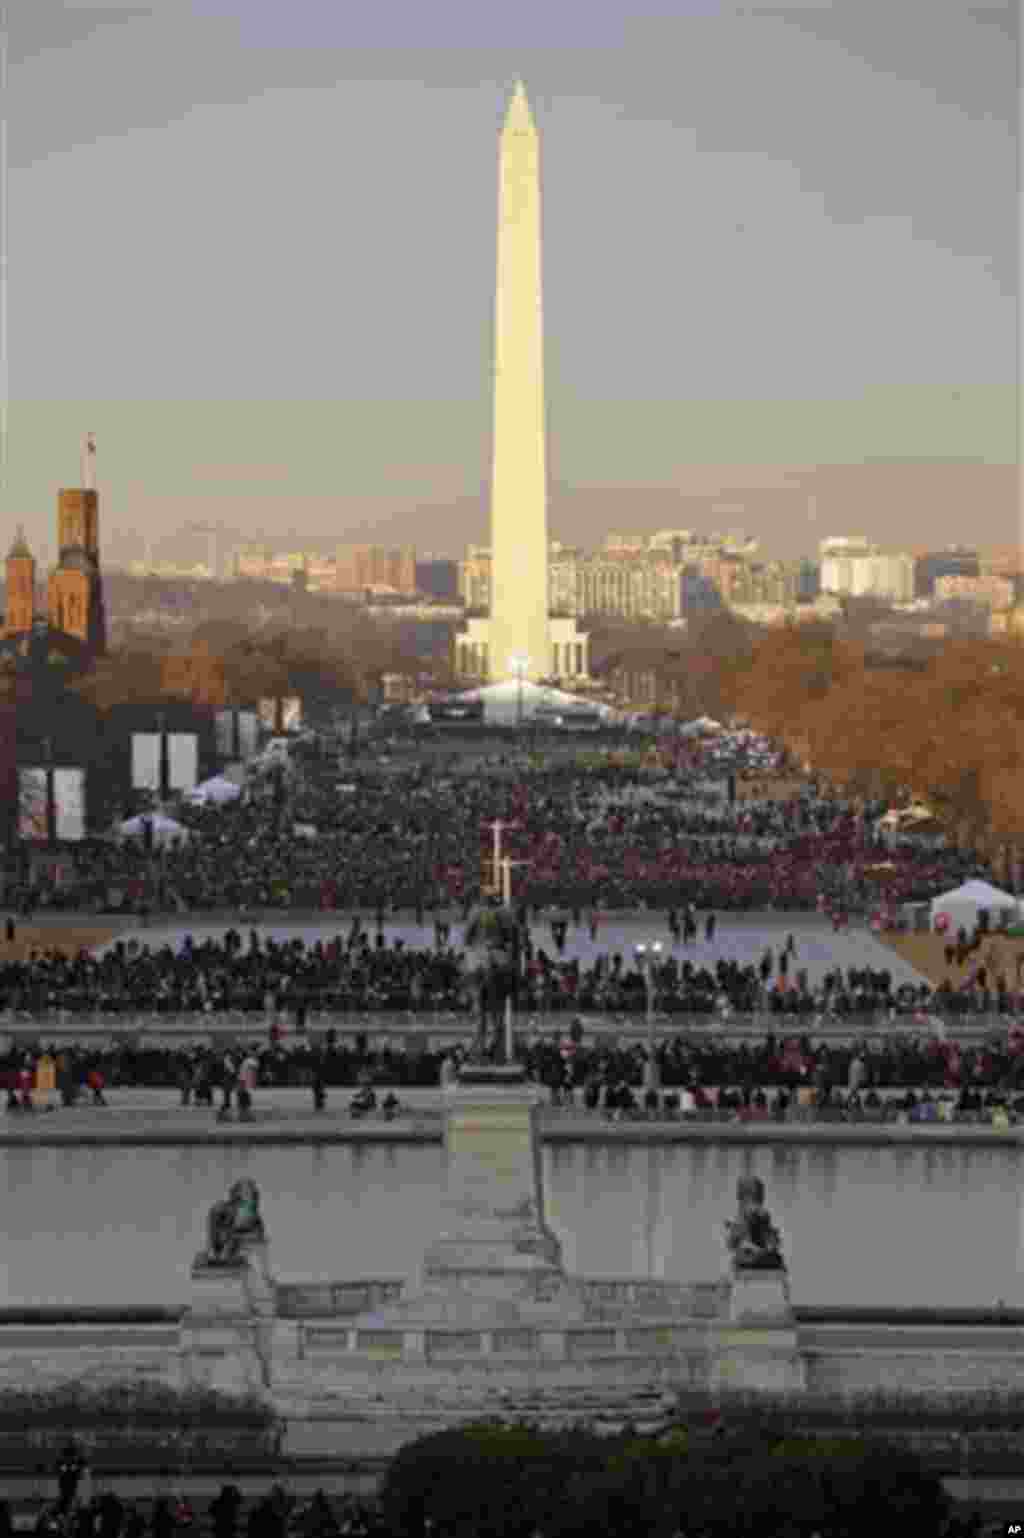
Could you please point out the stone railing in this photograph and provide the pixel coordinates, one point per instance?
(605, 1298)
(435, 1031)
(335, 1300)
(608, 1298)
(594, 1341)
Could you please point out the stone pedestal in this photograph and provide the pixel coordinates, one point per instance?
(760, 1298)
(259, 1284)
(219, 1291)
(757, 1346)
(224, 1339)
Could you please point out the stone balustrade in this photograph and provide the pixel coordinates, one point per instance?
(334, 1300)
(611, 1296)
(496, 1350)
(605, 1298)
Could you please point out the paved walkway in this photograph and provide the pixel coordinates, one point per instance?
(155, 1117)
(738, 937)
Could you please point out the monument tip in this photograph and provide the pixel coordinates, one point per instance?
(519, 114)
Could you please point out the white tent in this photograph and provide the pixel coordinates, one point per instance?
(964, 902)
(165, 829)
(702, 725)
(216, 791)
(906, 816)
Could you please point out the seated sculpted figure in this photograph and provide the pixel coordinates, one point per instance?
(752, 1237)
(232, 1221)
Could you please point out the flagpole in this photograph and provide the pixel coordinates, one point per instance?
(5, 389)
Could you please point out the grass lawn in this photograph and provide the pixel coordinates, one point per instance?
(70, 937)
(926, 953)
(769, 788)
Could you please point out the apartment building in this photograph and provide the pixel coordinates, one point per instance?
(993, 592)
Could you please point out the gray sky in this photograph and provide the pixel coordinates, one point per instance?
(252, 247)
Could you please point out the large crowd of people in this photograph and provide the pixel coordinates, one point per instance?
(360, 973)
(916, 1077)
(280, 1514)
(623, 836)
(78, 1512)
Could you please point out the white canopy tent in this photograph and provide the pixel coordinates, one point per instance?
(963, 904)
(215, 791)
(165, 829)
(907, 816)
(703, 725)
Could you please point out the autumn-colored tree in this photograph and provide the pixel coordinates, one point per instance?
(123, 675)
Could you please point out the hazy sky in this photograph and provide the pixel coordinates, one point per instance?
(252, 247)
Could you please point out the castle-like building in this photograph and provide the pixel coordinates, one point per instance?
(74, 623)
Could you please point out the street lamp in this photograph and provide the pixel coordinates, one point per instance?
(648, 956)
(519, 666)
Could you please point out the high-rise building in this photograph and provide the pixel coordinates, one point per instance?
(956, 561)
(993, 592)
(437, 577)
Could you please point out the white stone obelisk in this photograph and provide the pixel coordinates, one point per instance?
(518, 627)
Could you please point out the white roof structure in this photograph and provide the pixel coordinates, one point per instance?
(164, 828)
(217, 790)
(502, 702)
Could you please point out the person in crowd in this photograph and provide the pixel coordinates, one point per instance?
(110, 1512)
(315, 1519)
(162, 1519)
(228, 1084)
(319, 1082)
(95, 1081)
(71, 1466)
(224, 1509)
(248, 1075)
(390, 1105)
(363, 1101)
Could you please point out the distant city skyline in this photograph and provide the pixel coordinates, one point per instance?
(252, 249)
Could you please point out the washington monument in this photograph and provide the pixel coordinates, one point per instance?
(519, 519)
(519, 640)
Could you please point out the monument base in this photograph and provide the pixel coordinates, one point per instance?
(758, 1347)
(219, 1290)
(226, 1335)
(767, 1361)
(760, 1297)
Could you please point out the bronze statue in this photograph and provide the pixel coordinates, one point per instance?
(752, 1237)
(233, 1222)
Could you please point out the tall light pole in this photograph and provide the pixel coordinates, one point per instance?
(520, 666)
(648, 955)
